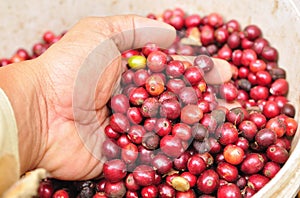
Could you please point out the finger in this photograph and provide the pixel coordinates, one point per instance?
(127, 31)
(220, 73)
(137, 31)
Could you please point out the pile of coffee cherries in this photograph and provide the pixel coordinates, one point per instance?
(21, 54)
(169, 136)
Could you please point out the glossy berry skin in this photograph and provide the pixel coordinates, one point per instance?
(208, 181)
(265, 137)
(248, 56)
(243, 143)
(258, 65)
(227, 171)
(228, 91)
(187, 194)
(196, 165)
(114, 170)
(207, 35)
(182, 130)
(193, 75)
(170, 109)
(277, 154)
(156, 61)
(116, 189)
(162, 127)
(137, 62)
(162, 163)
(154, 85)
(252, 32)
(149, 191)
(119, 123)
(166, 191)
(149, 48)
(248, 129)
(248, 192)
(144, 175)
(227, 133)
(123, 140)
(191, 114)
(253, 163)
(192, 20)
(171, 146)
(271, 169)
(134, 115)
(233, 25)
(263, 78)
(110, 149)
(140, 77)
(175, 69)
(192, 179)
(259, 119)
(204, 62)
(136, 133)
(110, 133)
(291, 126)
(277, 125)
(257, 181)
(129, 53)
(229, 190)
(271, 109)
(62, 193)
(279, 87)
(269, 53)
(119, 103)
(45, 189)
(180, 163)
(130, 183)
(175, 85)
(259, 92)
(233, 154)
(138, 96)
(225, 52)
(129, 153)
(99, 195)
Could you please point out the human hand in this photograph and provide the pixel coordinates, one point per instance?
(63, 112)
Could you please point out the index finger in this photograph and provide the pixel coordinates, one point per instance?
(126, 32)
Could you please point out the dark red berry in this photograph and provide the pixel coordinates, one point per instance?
(196, 165)
(253, 163)
(144, 175)
(156, 61)
(229, 190)
(171, 146)
(208, 181)
(227, 171)
(277, 154)
(265, 137)
(119, 123)
(116, 189)
(162, 164)
(257, 181)
(114, 170)
(129, 153)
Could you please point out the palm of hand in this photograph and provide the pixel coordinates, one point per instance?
(80, 73)
(77, 111)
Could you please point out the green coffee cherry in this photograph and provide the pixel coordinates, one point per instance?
(137, 62)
